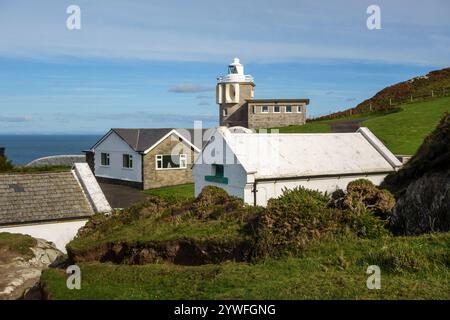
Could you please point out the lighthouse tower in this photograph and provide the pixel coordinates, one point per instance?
(232, 92)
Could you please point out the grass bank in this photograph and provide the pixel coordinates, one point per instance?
(411, 268)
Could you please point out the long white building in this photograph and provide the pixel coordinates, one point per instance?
(257, 167)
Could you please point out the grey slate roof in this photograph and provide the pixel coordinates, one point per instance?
(142, 139)
(27, 198)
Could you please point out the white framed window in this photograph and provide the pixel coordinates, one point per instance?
(264, 109)
(225, 112)
(104, 159)
(299, 109)
(171, 161)
(253, 109)
(288, 109)
(276, 109)
(127, 161)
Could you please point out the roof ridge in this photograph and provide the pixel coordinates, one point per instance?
(137, 139)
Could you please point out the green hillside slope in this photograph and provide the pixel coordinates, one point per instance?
(402, 131)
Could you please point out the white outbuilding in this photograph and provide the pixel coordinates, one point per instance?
(259, 166)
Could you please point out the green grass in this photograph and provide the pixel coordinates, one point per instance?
(402, 132)
(17, 243)
(411, 268)
(149, 230)
(175, 193)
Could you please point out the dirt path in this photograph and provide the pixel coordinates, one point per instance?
(346, 126)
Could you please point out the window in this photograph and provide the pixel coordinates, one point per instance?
(264, 109)
(299, 109)
(276, 109)
(288, 108)
(171, 161)
(105, 159)
(254, 109)
(127, 161)
(225, 112)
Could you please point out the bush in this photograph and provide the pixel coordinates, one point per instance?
(5, 164)
(213, 202)
(363, 195)
(301, 215)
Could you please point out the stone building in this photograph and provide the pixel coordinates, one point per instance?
(235, 95)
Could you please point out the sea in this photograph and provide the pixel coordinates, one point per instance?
(22, 149)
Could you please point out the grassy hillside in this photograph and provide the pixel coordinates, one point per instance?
(434, 84)
(412, 268)
(402, 132)
(212, 247)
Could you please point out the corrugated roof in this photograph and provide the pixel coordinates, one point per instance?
(292, 155)
(144, 138)
(26, 198)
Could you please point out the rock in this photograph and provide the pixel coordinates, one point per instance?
(422, 186)
(18, 275)
(425, 206)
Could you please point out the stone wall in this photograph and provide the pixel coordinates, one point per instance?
(155, 178)
(236, 112)
(271, 119)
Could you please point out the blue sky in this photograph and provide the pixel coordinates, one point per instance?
(154, 63)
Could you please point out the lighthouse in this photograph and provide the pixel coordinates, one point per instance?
(232, 92)
(238, 106)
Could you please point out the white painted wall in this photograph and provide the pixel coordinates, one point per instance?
(236, 179)
(274, 189)
(60, 233)
(116, 147)
(217, 153)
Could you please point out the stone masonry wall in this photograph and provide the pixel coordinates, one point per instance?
(154, 178)
(258, 119)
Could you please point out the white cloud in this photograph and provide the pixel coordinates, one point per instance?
(190, 88)
(204, 31)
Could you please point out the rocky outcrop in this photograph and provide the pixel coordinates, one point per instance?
(424, 207)
(422, 186)
(18, 274)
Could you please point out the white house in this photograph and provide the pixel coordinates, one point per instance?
(259, 166)
(145, 158)
(50, 206)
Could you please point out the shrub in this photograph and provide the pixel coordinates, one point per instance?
(213, 202)
(301, 215)
(363, 195)
(5, 164)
